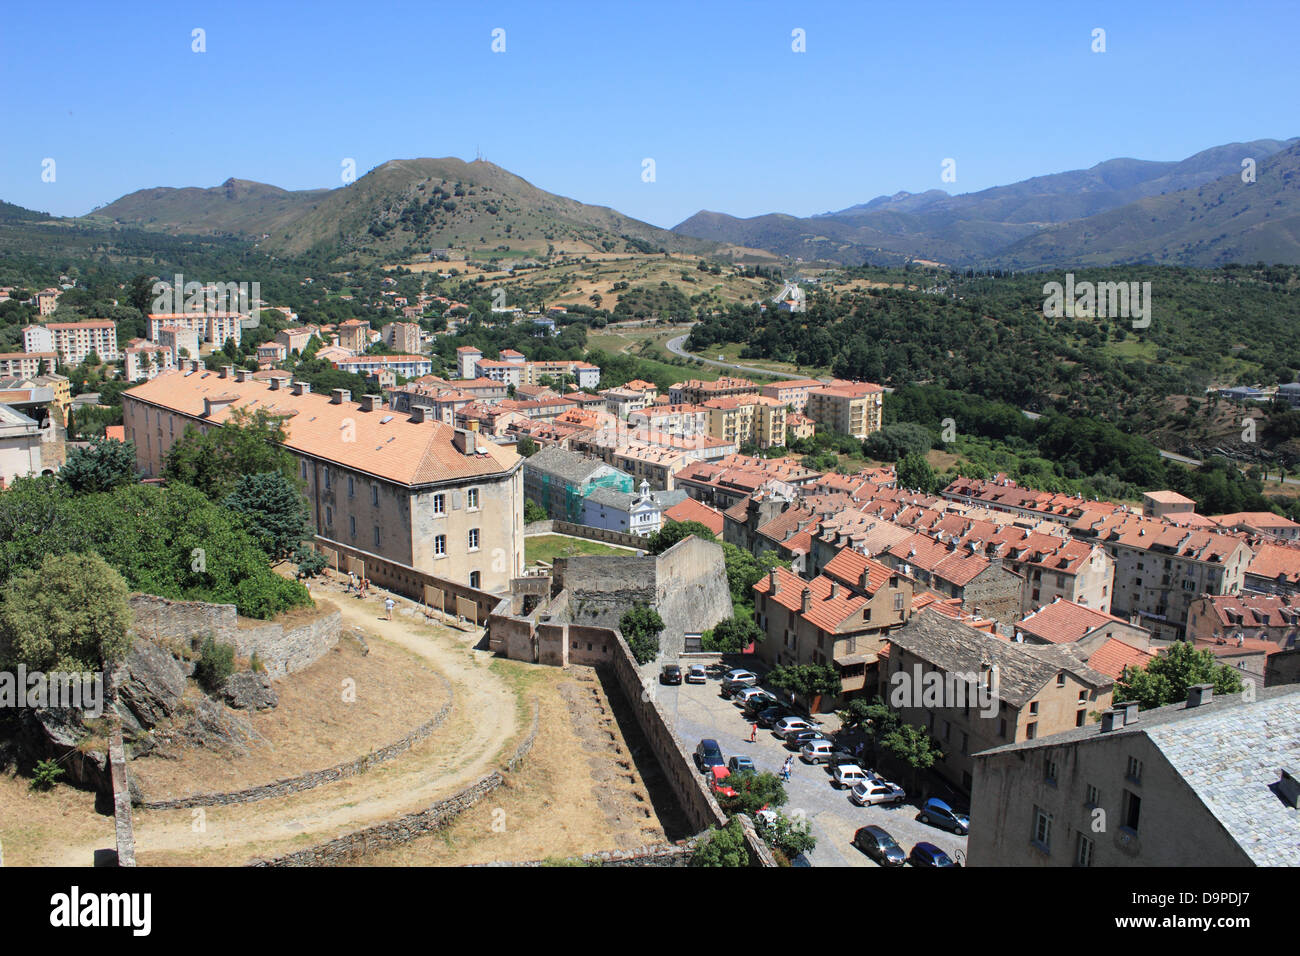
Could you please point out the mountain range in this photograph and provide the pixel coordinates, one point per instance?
(1198, 211)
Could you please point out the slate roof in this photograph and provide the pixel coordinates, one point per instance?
(1023, 669)
(1229, 752)
(569, 465)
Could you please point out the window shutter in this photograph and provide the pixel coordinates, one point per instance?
(455, 500)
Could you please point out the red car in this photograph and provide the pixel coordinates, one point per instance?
(717, 781)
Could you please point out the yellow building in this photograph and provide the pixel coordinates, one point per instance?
(851, 408)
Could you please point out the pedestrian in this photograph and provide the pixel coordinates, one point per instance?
(753, 733)
(352, 582)
(388, 607)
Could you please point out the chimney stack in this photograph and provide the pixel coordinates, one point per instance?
(835, 589)
(774, 582)
(369, 403)
(1130, 709)
(276, 382)
(1111, 720)
(806, 604)
(1199, 694)
(464, 441)
(1288, 788)
(242, 375)
(418, 413)
(227, 371)
(300, 388)
(340, 396)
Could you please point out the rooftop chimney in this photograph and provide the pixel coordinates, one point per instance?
(276, 382)
(242, 375)
(463, 439)
(340, 396)
(300, 388)
(1199, 694)
(1111, 720)
(1130, 709)
(227, 371)
(369, 402)
(774, 582)
(1288, 788)
(418, 413)
(835, 589)
(807, 601)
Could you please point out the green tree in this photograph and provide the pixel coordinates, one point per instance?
(914, 472)
(754, 792)
(246, 444)
(785, 835)
(641, 626)
(274, 511)
(215, 665)
(103, 464)
(805, 680)
(744, 570)
(534, 512)
(725, 846)
(1166, 678)
(732, 635)
(526, 446)
(310, 562)
(911, 746)
(675, 531)
(875, 717)
(69, 614)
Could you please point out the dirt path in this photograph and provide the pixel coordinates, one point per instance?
(482, 723)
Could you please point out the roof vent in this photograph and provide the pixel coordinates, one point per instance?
(369, 403)
(1288, 788)
(340, 396)
(1199, 694)
(1130, 709)
(1111, 720)
(300, 388)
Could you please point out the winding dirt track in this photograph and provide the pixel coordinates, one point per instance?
(482, 722)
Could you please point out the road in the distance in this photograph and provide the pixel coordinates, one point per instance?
(675, 346)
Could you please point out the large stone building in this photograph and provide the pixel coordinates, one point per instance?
(403, 487)
(987, 691)
(1225, 618)
(560, 481)
(1161, 568)
(1208, 782)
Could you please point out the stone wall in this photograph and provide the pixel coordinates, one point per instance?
(353, 845)
(122, 825)
(661, 854)
(177, 624)
(308, 781)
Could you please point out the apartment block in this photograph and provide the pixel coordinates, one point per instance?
(697, 392)
(27, 364)
(402, 337)
(402, 487)
(851, 408)
(793, 393)
(73, 341)
(407, 366)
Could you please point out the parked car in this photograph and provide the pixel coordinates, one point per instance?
(718, 781)
(742, 680)
(708, 754)
(843, 757)
(816, 751)
(876, 843)
(929, 855)
(736, 672)
(795, 739)
(789, 725)
(876, 792)
(741, 764)
(848, 775)
(938, 814)
(671, 674)
(755, 695)
(696, 674)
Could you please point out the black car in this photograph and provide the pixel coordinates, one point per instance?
(757, 705)
(708, 755)
(843, 756)
(770, 715)
(671, 674)
(876, 843)
(798, 738)
(929, 856)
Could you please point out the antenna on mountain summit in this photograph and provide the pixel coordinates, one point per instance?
(478, 155)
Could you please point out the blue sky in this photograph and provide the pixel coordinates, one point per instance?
(735, 120)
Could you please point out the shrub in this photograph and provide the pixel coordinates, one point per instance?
(46, 775)
(216, 664)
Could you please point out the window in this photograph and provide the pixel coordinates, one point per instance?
(440, 504)
(351, 487)
(1042, 829)
(1083, 697)
(471, 499)
(473, 539)
(1083, 851)
(1092, 797)
(1134, 771)
(474, 578)
(376, 536)
(352, 526)
(328, 486)
(1031, 730)
(302, 466)
(1049, 770)
(440, 546)
(1033, 708)
(898, 602)
(1060, 679)
(1079, 718)
(374, 495)
(329, 515)
(1131, 810)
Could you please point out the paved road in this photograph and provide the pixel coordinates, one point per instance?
(698, 711)
(675, 346)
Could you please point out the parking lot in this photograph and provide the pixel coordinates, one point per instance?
(699, 710)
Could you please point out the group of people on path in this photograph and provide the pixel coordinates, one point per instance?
(360, 586)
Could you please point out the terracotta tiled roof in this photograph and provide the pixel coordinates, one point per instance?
(1064, 622)
(848, 567)
(385, 444)
(691, 510)
(824, 611)
(1113, 656)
